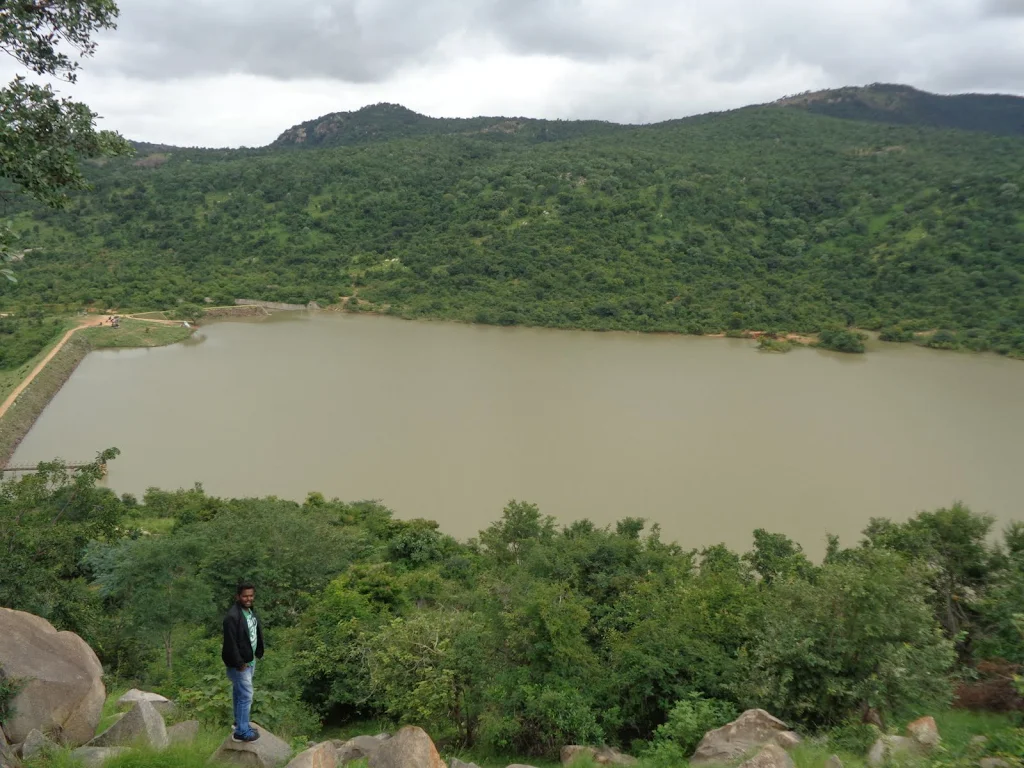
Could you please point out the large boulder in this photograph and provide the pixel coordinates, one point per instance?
(925, 732)
(357, 748)
(94, 757)
(321, 756)
(184, 732)
(752, 730)
(889, 748)
(411, 747)
(130, 698)
(63, 693)
(771, 756)
(268, 751)
(142, 724)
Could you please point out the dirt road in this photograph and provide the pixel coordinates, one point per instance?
(84, 323)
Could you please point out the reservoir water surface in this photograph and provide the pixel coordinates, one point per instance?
(707, 437)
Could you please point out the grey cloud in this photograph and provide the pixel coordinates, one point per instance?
(1004, 7)
(349, 40)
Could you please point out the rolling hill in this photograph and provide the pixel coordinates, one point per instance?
(775, 216)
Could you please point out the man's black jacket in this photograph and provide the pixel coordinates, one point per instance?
(237, 650)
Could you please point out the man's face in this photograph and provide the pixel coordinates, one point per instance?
(246, 598)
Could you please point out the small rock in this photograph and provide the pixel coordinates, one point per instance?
(834, 762)
(94, 757)
(456, 763)
(993, 762)
(925, 732)
(142, 724)
(268, 751)
(888, 747)
(519, 765)
(771, 756)
(319, 756)
(978, 741)
(34, 745)
(184, 732)
(356, 748)
(132, 697)
(753, 729)
(411, 747)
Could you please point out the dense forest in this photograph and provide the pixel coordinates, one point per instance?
(769, 218)
(531, 635)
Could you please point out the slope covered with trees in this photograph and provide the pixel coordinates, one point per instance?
(530, 636)
(903, 105)
(761, 218)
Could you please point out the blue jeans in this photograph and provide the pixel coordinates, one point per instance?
(241, 698)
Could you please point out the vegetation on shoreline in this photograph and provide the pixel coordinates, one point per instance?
(761, 218)
(20, 417)
(531, 635)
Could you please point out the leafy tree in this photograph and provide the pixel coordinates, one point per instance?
(951, 542)
(42, 137)
(861, 637)
(775, 556)
(520, 528)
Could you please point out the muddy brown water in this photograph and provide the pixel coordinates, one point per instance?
(708, 437)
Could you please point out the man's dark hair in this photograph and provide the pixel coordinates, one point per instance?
(244, 585)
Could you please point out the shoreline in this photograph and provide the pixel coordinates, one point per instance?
(23, 413)
(27, 401)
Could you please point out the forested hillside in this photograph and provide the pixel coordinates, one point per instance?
(903, 105)
(532, 635)
(761, 218)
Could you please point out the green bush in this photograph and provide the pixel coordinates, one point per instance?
(854, 737)
(688, 721)
(841, 340)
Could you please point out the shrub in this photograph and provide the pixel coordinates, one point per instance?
(689, 719)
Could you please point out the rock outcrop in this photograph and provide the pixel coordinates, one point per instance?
(411, 747)
(63, 693)
(142, 724)
(268, 751)
(321, 756)
(771, 756)
(456, 763)
(162, 703)
(752, 730)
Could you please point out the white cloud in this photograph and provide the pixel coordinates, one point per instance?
(231, 72)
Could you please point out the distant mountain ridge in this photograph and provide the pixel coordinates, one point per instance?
(384, 122)
(904, 105)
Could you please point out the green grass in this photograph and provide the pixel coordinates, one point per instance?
(135, 333)
(9, 379)
(110, 710)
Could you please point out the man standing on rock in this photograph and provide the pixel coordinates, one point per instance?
(243, 644)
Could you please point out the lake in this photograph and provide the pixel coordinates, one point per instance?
(706, 436)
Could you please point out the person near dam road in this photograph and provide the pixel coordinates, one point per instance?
(243, 644)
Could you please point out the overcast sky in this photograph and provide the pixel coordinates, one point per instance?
(238, 72)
